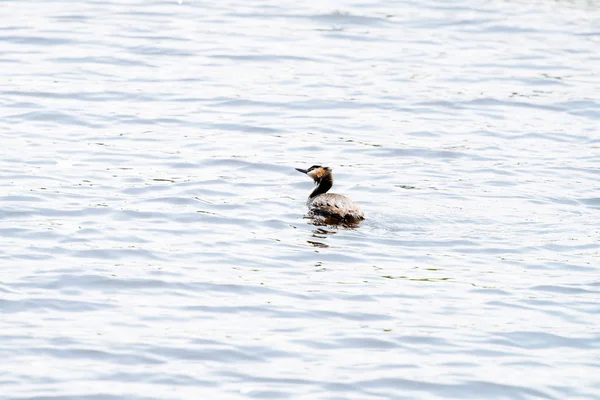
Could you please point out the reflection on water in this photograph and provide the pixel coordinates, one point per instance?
(320, 233)
(316, 244)
(152, 239)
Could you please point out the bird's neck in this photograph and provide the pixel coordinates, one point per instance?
(324, 184)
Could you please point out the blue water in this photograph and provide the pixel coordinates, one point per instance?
(153, 243)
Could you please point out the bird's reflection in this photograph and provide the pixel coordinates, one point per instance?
(317, 244)
(327, 226)
(320, 233)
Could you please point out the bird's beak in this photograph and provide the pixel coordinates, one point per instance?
(302, 170)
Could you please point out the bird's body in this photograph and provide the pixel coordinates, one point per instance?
(334, 205)
(321, 203)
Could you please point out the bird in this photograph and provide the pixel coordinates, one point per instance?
(321, 203)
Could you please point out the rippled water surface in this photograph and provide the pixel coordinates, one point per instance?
(153, 243)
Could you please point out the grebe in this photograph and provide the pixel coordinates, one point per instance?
(328, 204)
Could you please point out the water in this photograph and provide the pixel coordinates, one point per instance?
(152, 238)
